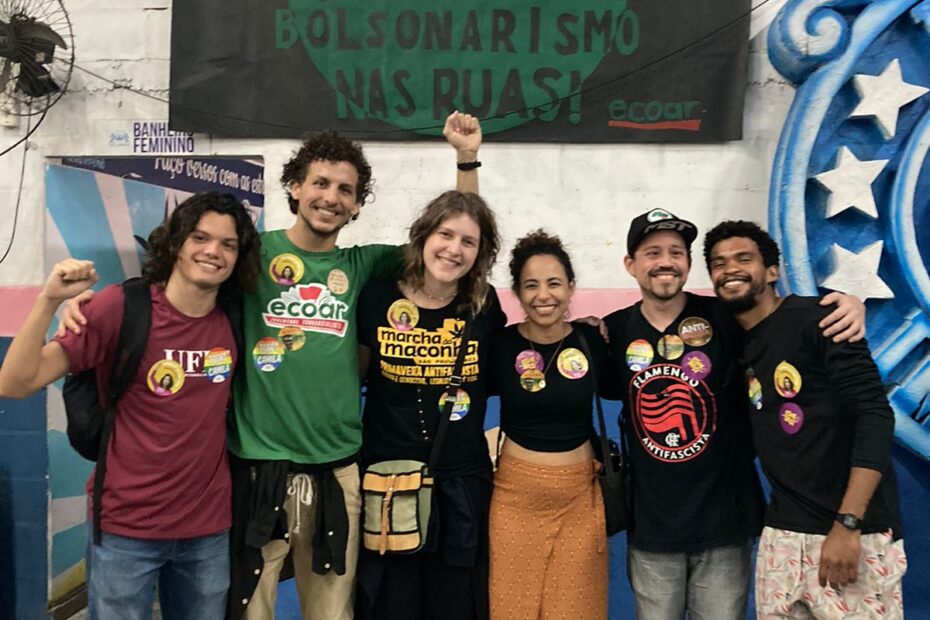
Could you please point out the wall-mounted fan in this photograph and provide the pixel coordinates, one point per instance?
(36, 55)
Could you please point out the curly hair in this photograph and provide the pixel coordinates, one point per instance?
(741, 228)
(537, 243)
(474, 285)
(327, 146)
(165, 242)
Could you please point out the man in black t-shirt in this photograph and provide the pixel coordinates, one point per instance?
(823, 428)
(696, 496)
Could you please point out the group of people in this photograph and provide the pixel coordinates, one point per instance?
(521, 536)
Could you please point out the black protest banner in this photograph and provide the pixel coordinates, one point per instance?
(534, 71)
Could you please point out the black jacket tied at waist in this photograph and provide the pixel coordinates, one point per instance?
(259, 491)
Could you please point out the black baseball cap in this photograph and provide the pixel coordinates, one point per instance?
(658, 219)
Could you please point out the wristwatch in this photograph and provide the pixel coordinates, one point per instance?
(849, 521)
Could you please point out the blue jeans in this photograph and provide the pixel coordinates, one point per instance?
(192, 576)
(710, 585)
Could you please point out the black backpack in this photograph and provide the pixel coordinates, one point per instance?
(90, 422)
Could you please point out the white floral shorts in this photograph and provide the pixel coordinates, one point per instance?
(787, 585)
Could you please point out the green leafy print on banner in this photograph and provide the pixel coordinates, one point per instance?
(410, 64)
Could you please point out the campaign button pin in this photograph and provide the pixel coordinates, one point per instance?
(528, 360)
(787, 380)
(639, 355)
(755, 389)
(286, 269)
(267, 354)
(670, 347)
(791, 418)
(217, 364)
(695, 365)
(695, 331)
(533, 380)
(572, 363)
(403, 315)
(165, 377)
(460, 405)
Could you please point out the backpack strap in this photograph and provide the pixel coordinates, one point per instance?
(455, 381)
(233, 309)
(133, 338)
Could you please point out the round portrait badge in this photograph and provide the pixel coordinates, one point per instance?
(286, 269)
(695, 331)
(695, 365)
(787, 380)
(755, 389)
(791, 418)
(670, 347)
(460, 406)
(165, 377)
(532, 380)
(293, 338)
(403, 315)
(337, 281)
(217, 364)
(572, 363)
(639, 355)
(528, 360)
(267, 354)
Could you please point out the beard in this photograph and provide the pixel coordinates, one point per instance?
(746, 301)
(662, 293)
(743, 303)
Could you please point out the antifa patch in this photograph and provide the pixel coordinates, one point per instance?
(674, 416)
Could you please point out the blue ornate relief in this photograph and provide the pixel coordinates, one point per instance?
(849, 201)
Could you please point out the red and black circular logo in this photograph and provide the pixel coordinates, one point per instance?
(674, 416)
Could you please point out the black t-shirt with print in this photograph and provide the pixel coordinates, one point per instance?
(816, 409)
(694, 483)
(413, 351)
(557, 417)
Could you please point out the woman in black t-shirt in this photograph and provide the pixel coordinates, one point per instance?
(410, 331)
(548, 536)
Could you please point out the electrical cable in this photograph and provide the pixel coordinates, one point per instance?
(29, 132)
(22, 171)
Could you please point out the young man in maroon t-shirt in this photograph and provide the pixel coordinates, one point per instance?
(166, 496)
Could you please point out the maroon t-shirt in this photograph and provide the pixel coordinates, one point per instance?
(167, 474)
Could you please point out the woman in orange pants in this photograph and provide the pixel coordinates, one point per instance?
(548, 541)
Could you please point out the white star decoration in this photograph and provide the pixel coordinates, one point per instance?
(857, 274)
(883, 95)
(850, 184)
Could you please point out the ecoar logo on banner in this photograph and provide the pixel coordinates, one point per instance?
(311, 307)
(406, 62)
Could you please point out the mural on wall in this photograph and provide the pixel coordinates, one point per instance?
(851, 179)
(95, 209)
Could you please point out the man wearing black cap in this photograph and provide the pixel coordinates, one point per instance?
(696, 495)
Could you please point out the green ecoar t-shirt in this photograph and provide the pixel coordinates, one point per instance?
(297, 392)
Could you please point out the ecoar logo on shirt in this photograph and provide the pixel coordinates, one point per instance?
(311, 307)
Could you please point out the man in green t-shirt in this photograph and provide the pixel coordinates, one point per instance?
(295, 432)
